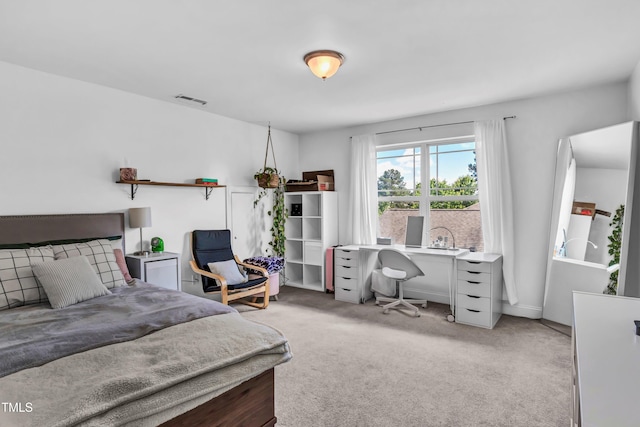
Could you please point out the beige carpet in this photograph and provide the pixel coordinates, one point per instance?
(354, 366)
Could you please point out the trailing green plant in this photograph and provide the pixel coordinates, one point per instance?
(615, 243)
(279, 215)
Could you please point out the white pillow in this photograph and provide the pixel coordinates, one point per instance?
(101, 257)
(69, 281)
(229, 270)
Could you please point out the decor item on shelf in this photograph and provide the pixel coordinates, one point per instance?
(140, 218)
(615, 244)
(128, 174)
(313, 181)
(157, 245)
(324, 63)
(296, 209)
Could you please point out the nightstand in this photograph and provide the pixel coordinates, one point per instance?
(160, 269)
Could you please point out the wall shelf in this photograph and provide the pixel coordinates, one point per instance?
(135, 184)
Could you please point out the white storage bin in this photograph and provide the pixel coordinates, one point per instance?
(313, 253)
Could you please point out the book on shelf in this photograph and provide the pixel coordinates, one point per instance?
(208, 181)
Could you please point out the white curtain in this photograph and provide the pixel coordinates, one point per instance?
(363, 210)
(496, 198)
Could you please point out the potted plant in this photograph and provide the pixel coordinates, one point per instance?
(270, 178)
(615, 244)
(267, 177)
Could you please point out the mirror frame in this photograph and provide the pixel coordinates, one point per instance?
(630, 248)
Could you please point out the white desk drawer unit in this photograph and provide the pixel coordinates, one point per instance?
(479, 291)
(347, 275)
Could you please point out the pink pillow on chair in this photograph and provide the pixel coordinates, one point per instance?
(123, 266)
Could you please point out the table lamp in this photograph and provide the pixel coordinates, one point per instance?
(139, 218)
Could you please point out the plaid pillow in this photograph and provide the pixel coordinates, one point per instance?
(101, 257)
(18, 285)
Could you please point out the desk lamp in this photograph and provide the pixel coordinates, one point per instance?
(139, 218)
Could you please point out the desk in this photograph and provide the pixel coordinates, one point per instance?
(436, 285)
(606, 351)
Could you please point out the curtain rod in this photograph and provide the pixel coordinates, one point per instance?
(435, 126)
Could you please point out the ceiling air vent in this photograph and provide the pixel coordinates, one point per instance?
(188, 98)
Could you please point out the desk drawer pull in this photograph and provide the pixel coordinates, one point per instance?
(474, 272)
(473, 296)
(473, 311)
(473, 283)
(346, 290)
(473, 262)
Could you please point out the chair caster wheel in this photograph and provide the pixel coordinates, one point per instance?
(385, 311)
(416, 315)
(424, 305)
(450, 318)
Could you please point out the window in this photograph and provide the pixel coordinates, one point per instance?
(450, 206)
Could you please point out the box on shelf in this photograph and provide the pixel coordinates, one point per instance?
(584, 208)
(313, 181)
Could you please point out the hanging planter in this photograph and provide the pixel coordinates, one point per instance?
(268, 177)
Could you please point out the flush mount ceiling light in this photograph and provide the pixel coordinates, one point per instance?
(324, 63)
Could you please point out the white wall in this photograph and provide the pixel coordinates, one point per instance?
(533, 138)
(63, 142)
(607, 188)
(634, 94)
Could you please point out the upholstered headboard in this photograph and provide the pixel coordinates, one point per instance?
(41, 228)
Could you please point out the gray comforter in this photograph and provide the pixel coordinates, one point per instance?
(147, 381)
(34, 335)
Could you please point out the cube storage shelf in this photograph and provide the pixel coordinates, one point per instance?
(308, 237)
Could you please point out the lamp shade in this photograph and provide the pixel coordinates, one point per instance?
(324, 63)
(139, 217)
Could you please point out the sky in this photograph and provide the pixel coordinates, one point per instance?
(452, 162)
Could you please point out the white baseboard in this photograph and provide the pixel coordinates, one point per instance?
(520, 310)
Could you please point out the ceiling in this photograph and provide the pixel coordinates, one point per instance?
(403, 58)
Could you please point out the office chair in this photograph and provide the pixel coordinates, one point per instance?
(399, 267)
(212, 248)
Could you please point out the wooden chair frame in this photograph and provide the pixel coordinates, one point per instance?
(229, 295)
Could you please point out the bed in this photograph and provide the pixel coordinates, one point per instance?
(138, 355)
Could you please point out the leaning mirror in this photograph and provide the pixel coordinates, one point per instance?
(593, 182)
